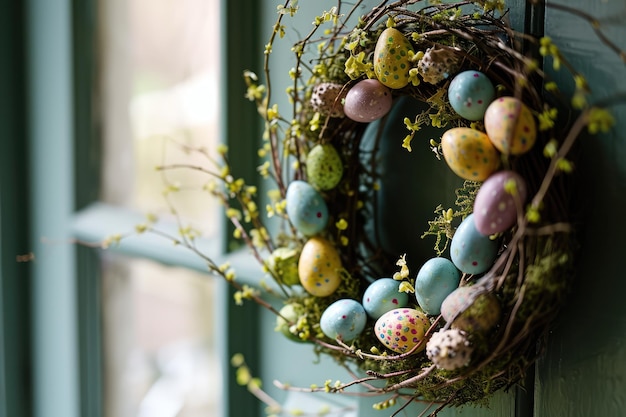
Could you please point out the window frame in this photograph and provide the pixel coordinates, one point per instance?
(15, 340)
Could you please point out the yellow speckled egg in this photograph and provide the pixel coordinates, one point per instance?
(391, 58)
(469, 153)
(401, 329)
(510, 126)
(319, 267)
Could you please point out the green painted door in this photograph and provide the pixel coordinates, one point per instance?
(583, 371)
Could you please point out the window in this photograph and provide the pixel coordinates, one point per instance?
(158, 82)
(65, 112)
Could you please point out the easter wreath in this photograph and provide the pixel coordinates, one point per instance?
(472, 320)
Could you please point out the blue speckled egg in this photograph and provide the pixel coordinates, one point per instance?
(344, 319)
(382, 296)
(471, 251)
(470, 93)
(436, 279)
(306, 208)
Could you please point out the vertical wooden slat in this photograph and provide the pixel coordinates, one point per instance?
(15, 340)
(240, 131)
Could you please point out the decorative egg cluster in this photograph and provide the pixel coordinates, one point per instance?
(380, 297)
(465, 322)
(472, 154)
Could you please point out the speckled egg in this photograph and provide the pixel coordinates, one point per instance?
(471, 311)
(437, 278)
(391, 58)
(438, 64)
(367, 101)
(327, 98)
(402, 329)
(494, 207)
(324, 168)
(469, 153)
(344, 319)
(471, 251)
(306, 208)
(382, 296)
(449, 349)
(319, 267)
(286, 322)
(283, 263)
(470, 93)
(510, 125)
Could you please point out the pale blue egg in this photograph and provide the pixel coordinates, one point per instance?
(306, 208)
(471, 251)
(382, 296)
(344, 319)
(436, 279)
(470, 93)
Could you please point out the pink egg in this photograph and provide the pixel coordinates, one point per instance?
(367, 101)
(494, 208)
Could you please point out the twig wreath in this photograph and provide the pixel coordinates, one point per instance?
(470, 317)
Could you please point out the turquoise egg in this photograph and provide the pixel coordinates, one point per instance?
(306, 208)
(471, 251)
(344, 319)
(436, 279)
(382, 296)
(470, 93)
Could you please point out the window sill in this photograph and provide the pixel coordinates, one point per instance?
(98, 221)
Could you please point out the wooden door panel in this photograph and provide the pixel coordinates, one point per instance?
(583, 371)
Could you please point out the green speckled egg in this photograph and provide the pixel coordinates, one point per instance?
(324, 168)
(283, 262)
(470, 311)
(391, 58)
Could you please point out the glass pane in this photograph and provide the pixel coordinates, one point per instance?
(160, 356)
(159, 79)
(159, 91)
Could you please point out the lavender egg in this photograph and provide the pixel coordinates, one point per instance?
(470, 93)
(306, 208)
(471, 251)
(382, 296)
(436, 279)
(494, 207)
(344, 319)
(367, 101)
